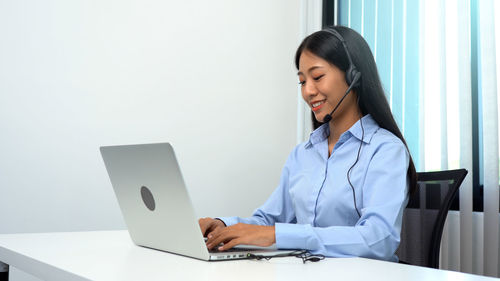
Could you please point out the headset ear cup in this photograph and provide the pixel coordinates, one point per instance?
(348, 77)
(355, 73)
(350, 74)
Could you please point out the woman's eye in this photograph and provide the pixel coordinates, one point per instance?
(319, 77)
(302, 83)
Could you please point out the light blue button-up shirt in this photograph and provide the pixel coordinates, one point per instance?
(313, 207)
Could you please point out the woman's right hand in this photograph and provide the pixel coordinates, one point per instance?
(208, 225)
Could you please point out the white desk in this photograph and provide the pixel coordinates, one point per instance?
(111, 255)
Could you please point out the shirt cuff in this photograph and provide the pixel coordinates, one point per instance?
(292, 236)
(229, 220)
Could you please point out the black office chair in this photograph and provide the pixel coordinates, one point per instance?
(425, 215)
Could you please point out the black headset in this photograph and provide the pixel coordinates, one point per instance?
(352, 75)
(352, 71)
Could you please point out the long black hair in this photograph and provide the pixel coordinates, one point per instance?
(371, 96)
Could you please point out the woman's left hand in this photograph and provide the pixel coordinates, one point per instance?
(249, 234)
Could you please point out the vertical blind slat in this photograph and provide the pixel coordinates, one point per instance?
(445, 241)
(397, 63)
(356, 11)
(411, 78)
(369, 23)
(419, 94)
(384, 44)
(443, 86)
(343, 12)
(465, 120)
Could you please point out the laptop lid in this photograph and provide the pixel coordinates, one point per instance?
(153, 199)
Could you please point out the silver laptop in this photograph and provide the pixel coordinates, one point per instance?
(155, 204)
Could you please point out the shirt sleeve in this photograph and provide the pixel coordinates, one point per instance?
(277, 208)
(377, 233)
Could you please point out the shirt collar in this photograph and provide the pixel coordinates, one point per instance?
(318, 135)
(370, 126)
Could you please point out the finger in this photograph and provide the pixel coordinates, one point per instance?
(212, 235)
(212, 232)
(215, 241)
(225, 234)
(211, 239)
(228, 245)
(211, 228)
(229, 232)
(208, 225)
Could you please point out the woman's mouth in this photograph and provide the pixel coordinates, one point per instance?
(317, 105)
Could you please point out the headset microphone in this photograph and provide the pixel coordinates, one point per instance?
(328, 117)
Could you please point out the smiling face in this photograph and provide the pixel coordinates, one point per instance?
(322, 86)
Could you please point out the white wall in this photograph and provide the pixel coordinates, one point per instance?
(215, 78)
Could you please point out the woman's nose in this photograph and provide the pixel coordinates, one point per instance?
(310, 89)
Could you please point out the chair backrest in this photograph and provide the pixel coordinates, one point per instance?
(425, 215)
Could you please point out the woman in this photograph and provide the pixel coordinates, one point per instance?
(342, 193)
